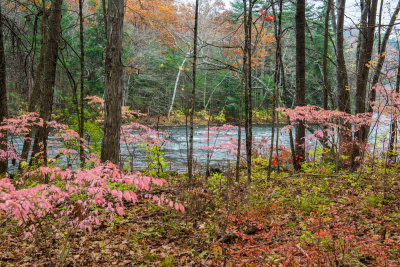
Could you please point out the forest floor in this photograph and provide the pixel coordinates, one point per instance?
(312, 218)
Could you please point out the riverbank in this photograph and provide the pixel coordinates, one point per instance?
(178, 118)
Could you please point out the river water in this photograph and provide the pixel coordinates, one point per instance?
(175, 150)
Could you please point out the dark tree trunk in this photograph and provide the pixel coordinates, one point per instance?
(110, 147)
(36, 90)
(239, 142)
(193, 97)
(49, 77)
(247, 11)
(82, 61)
(3, 99)
(277, 33)
(249, 81)
(343, 100)
(367, 44)
(285, 91)
(367, 35)
(245, 78)
(325, 56)
(300, 78)
(285, 95)
(364, 6)
(341, 72)
(393, 125)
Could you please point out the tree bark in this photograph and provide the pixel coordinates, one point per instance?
(277, 33)
(300, 78)
(35, 93)
(287, 105)
(239, 136)
(176, 84)
(325, 56)
(393, 125)
(343, 100)
(193, 97)
(367, 44)
(341, 72)
(49, 77)
(82, 61)
(3, 99)
(247, 81)
(110, 147)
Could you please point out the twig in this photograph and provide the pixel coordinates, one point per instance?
(305, 253)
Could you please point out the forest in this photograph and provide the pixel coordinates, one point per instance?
(199, 133)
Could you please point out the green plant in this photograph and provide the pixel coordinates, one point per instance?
(156, 166)
(374, 200)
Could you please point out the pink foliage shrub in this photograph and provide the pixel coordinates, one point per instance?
(325, 125)
(219, 139)
(135, 135)
(18, 128)
(83, 198)
(79, 198)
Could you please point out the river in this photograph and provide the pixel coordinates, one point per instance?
(174, 151)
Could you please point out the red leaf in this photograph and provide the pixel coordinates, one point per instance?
(269, 18)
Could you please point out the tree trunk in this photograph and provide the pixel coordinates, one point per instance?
(325, 57)
(239, 136)
(110, 147)
(393, 125)
(367, 44)
(341, 72)
(285, 95)
(3, 100)
(82, 61)
(247, 81)
(36, 90)
(367, 34)
(49, 77)
(300, 78)
(249, 140)
(277, 33)
(193, 97)
(343, 100)
(245, 78)
(176, 83)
